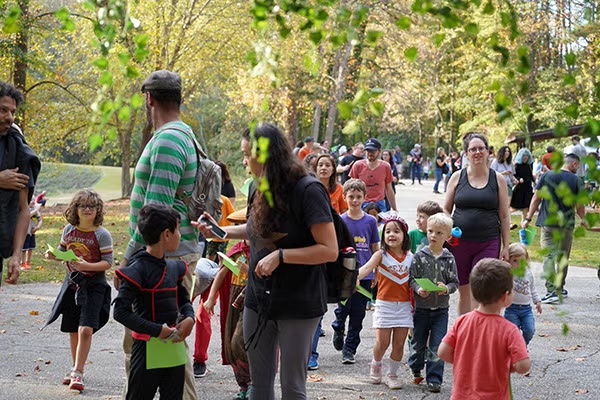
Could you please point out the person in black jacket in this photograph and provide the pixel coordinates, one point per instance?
(150, 298)
(19, 168)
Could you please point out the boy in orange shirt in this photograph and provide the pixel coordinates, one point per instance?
(483, 346)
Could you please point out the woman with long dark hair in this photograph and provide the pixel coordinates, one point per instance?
(292, 236)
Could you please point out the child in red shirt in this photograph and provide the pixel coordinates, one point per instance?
(483, 346)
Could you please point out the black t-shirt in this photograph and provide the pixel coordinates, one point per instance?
(348, 160)
(227, 189)
(293, 291)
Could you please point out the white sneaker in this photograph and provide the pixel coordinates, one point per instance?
(375, 373)
(392, 381)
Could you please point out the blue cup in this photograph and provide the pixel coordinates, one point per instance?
(523, 237)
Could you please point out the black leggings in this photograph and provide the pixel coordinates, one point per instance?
(143, 382)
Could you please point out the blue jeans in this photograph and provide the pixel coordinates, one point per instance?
(314, 354)
(416, 172)
(439, 174)
(559, 253)
(381, 204)
(356, 308)
(522, 317)
(430, 325)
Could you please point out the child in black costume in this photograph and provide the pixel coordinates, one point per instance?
(150, 297)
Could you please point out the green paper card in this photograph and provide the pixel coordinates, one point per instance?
(167, 354)
(63, 255)
(245, 189)
(429, 286)
(364, 292)
(230, 264)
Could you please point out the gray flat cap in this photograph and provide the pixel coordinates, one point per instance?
(162, 80)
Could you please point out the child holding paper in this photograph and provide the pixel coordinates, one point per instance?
(84, 298)
(393, 311)
(433, 277)
(151, 297)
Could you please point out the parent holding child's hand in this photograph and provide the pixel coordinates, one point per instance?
(477, 199)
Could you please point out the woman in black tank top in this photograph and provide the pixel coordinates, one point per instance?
(477, 199)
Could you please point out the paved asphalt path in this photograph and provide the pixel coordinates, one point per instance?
(33, 362)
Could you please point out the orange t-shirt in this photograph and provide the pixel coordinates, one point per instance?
(392, 277)
(226, 209)
(485, 346)
(303, 153)
(546, 160)
(337, 199)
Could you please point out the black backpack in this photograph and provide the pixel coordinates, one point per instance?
(341, 273)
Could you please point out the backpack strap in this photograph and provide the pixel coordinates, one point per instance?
(205, 179)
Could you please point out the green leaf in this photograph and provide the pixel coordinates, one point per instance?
(136, 101)
(345, 109)
(565, 329)
(489, 8)
(106, 79)
(376, 108)
(312, 65)
(373, 36)
(572, 110)
(411, 53)
(101, 63)
(579, 232)
(403, 23)
(376, 91)
(124, 58)
(569, 80)
(95, 142)
(570, 59)
(505, 18)
(316, 37)
(131, 72)
(438, 39)
(472, 29)
(560, 130)
(351, 127)
(124, 113)
(11, 20)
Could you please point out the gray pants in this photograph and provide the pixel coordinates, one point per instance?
(556, 262)
(189, 390)
(293, 337)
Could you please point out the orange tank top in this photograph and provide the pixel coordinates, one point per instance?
(392, 277)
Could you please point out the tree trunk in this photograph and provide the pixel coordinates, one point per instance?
(126, 154)
(20, 59)
(340, 72)
(316, 125)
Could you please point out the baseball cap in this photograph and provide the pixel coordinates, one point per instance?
(309, 139)
(342, 150)
(162, 80)
(372, 144)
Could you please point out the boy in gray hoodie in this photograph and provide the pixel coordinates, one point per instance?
(435, 264)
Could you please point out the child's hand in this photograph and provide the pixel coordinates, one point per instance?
(423, 293)
(184, 328)
(209, 306)
(538, 307)
(78, 265)
(165, 332)
(49, 256)
(442, 285)
(243, 266)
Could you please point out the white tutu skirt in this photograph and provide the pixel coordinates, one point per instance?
(392, 314)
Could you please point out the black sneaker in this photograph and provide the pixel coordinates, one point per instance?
(199, 369)
(338, 340)
(434, 387)
(348, 358)
(565, 293)
(550, 298)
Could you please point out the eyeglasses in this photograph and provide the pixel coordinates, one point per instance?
(86, 206)
(474, 150)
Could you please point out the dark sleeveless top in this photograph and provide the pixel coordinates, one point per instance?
(476, 210)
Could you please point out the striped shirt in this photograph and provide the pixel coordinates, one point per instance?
(167, 162)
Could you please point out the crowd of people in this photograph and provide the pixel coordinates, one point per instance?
(268, 267)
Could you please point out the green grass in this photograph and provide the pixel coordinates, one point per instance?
(583, 251)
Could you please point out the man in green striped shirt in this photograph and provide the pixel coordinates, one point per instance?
(167, 163)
